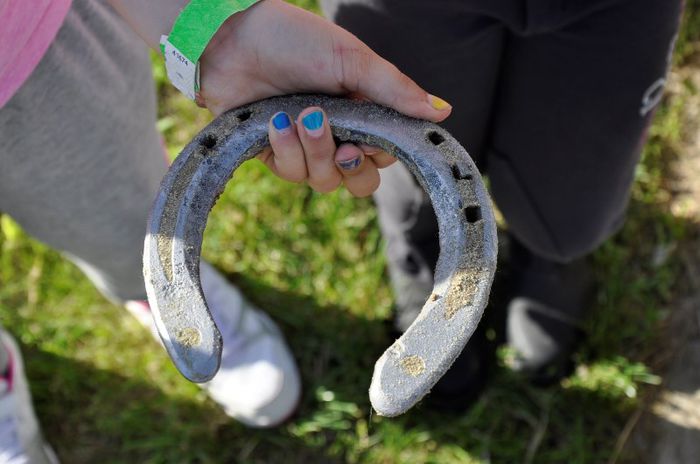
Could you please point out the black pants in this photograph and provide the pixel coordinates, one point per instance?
(552, 99)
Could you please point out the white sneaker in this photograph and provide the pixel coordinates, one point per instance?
(20, 438)
(258, 383)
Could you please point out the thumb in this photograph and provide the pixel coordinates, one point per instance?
(363, 71)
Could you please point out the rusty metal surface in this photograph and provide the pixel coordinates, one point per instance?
(415, 362)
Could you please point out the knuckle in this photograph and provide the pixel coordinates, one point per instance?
(316, 155)
(295, 176)
(350, 64)
(326, 185)
(265, 155)
(373, 186)
(365, 185)
(362, 194)
(403, 82)
(383, 160)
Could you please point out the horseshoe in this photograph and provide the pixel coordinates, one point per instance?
(410, 367)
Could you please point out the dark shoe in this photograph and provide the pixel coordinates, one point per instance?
(544, 316)
(464, 382)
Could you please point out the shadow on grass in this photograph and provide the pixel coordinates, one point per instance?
(578, 421)
(337, 350)
(98, 416)
(137, 422)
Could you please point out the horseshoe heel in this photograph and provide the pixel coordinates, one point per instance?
(464, 272)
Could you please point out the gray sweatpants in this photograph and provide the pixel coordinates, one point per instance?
(80, 158)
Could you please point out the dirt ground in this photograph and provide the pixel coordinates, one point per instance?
(667, 429)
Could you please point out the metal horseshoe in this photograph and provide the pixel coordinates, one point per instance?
(410, 367)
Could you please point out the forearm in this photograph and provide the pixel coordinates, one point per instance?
(149, 19)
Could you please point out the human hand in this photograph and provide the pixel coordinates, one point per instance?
(274, 48)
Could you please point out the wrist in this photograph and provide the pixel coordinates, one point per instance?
(194, 29)
(225, 33)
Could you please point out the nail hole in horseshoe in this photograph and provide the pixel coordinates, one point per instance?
(472, 213)
(209, 141)
(435, 138)
(244, 115)
(458, 174)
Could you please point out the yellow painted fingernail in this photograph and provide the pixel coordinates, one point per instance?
(438, 103)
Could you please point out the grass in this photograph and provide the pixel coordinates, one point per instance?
(106, 392)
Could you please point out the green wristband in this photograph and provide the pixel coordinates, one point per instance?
(191, 33)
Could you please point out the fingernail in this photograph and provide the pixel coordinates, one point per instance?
(438, 103)
(313, 123)
(351, 164)
(282, 123)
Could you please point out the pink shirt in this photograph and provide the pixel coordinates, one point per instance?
(27, 28)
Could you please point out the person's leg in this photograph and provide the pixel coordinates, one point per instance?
(455, 53)
(575, 99)
(60, 178)
(80, 164)
(453, 49)
(80, 160)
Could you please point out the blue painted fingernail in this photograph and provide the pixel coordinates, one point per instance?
(313, 123)
(282, 123)
(349, 165)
